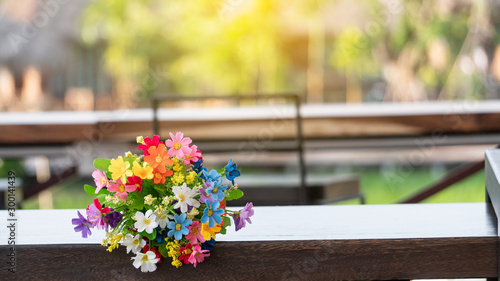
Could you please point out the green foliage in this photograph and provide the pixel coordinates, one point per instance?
(103, 165)
(90, 190)
(234, 194)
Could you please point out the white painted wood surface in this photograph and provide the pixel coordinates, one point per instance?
(294, 223)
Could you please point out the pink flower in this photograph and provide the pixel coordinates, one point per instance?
(198, 255)
(134, 183)
(149, 143)
(100, 180)
(195, 233)
(179, 145)
(95, 214)
(193, 155)
(120, 189)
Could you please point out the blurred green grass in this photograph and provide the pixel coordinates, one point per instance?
(376, 188)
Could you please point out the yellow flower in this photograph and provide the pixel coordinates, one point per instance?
(178, 178)
(193, 213)
(177, 167)
(191, 177)
(140, 140)
(144, 172)
(148, 199)
(177, 263)
(209, 232)
(120, 169)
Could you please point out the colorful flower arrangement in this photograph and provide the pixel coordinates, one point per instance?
(163, 204)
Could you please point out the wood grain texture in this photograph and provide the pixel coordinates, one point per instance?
(369, 242)
(276, 260)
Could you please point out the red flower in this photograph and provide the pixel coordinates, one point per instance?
(134, 182)
(149, 143)
(186, 253)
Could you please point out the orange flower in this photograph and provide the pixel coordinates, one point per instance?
(158, 156)
(160, 173)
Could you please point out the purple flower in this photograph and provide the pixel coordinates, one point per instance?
(95, 216)
(204, 195)
(112, 219)
(82, 225)
(241, 216)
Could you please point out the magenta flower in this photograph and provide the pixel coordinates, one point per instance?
(82, 225)
(179, 145)
(241, 216)
(193, 156)
(95, 214)
(121, 189)
(100, 180)
(195, 233)
(149, 143)
(198, 255)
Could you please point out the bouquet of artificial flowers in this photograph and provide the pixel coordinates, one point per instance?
(163, 204)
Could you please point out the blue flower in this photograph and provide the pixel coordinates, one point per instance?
(212, 177)
(161, 234)
(216, 192)
(208, 245)
(178, 227)
(211, 214)
(198, 166)
(231, 171)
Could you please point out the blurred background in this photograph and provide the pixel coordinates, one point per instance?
(395, 97)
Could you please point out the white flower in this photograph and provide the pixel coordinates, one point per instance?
(184, 196)
(145, 221)
(134, 243)
(164, 218)
(146, 261)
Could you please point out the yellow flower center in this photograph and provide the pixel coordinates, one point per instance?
(158, 159)
(135, 242)
(137, 185)
(158, 175)
(145, 258)
(123, 169)
(236, 215)
(178, 227)
(187, 251)
(215, 189)
(194, 230)
(121, 188)
(210, 212)
(147, 221)
(177, 145)
(181, 197)
(103, 181)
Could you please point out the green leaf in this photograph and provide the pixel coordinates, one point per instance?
(150, 236)
(90, 190)
(162, 249)
(227, 221)
(234, 194)
(102, 164)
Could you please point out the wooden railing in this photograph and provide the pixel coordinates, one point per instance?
(367, 242)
